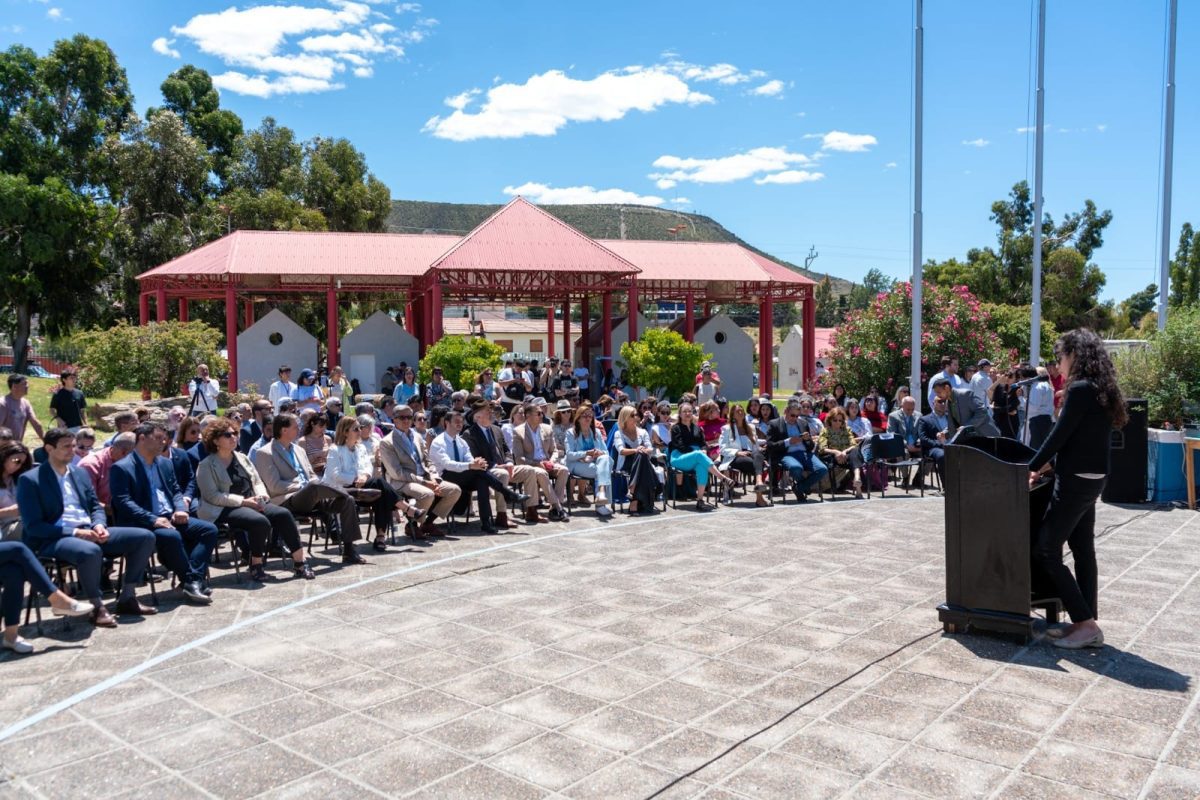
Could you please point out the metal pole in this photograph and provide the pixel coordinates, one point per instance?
(1035, 330)
(914, 384)
(1168, 154)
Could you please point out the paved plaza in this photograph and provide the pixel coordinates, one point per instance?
(764, 653)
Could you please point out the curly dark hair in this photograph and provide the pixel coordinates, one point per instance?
(1090, 362)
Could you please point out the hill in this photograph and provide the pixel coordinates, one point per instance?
(597, 221)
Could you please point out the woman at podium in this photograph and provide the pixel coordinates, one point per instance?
(1079, 445)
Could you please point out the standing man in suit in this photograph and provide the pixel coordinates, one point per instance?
(407, 468)
(145, 494)
(931, 433)
(64, 520)
(534, 447)
(292, 483)
(451, 455)
(964, 410)
(486, 441)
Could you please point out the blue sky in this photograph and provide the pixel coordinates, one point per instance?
(788, 122)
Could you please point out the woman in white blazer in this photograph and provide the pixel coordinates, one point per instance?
(351, 467)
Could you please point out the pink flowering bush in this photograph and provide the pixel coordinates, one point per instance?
(872, 346)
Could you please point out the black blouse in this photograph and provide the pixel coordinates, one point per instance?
(684, 439)
(1082, 436)
(239, 481)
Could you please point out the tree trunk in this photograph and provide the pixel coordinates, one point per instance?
(21, 338)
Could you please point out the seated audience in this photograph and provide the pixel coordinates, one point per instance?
(252, 428)
(407, 389)
(351, 467)
(534, 447)
(903, 423)
(931, 432)
(587, 457)
(19, 566)
(15, 460)
(686, 452)
(838, 442)
(145, 495)
(451, 457)
(871, 413)
(85, 441)
(740, 450)
(64, 519)
(98, 464)
(859, 425)
(438, 392)
(487, 442)
(791, 446)
(635, 459)
(122, 421)
(709, 419)
(292, 483)
(232, 493)
(409, 471)
(315, 443)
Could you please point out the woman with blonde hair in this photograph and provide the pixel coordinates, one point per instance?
(836, 441)
(587, 457)
(634, 458)
(350, 466)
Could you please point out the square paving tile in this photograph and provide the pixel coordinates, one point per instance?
(483, 733)
(553, 761)
(619, 728)
(251, 771)
(420, 710)
(885, 717)
(938, 774)
(630, 780)
(404, 766)
(480, 782)
(840, 748)
(550, 706)
(785, 778)
(1089, 768)
(676, 701)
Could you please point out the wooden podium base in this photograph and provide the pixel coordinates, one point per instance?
(959, 619)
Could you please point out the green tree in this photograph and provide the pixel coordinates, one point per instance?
(190, 94)
(269, 157)
(1167, 373)
(1180, 288)
(461, 358)
(1131, 311)
(874, 283)
(337, 184)
(1071, 292)
(1011, 326)
(662, 359)
(55, 113)
(827, 306)
(161, 356)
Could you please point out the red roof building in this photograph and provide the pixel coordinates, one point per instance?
(520, 253)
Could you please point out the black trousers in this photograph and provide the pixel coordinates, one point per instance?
(314, 495)
(1071, 519)
(1039, 428)
(381, 509)
(480, 481)
(259, 525)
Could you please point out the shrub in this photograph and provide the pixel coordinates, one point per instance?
(871, 348)
(1167, 372)
(161, 356)
(662, 358)
(461, 359)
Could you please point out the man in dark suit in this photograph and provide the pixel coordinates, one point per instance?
(931, 433)
(964, 409)
(252, 428)
(451, 455)
(486, 441)
(146, 495)
(65, 520)
(790, 445)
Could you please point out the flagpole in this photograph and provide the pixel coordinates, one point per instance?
(1168, 154)
(914, 385)
(1035, 330)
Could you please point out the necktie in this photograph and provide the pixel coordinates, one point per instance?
(454, 442)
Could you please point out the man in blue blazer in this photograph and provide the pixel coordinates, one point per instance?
(146, 495)
(65, 520)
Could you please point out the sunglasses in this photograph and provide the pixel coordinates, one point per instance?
(227, 434)
(404, 416)
(355, 428)
(420, 418)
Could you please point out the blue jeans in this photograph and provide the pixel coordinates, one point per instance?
(600, 470)
(18, 566)
(186, 549)
(816, 472)
(136, 544)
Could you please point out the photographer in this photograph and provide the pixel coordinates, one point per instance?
(204, 391)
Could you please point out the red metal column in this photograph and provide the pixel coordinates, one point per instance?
(418, 312)
(766, 365)
(606, 324)
(408, 316)
(689, 318)
(566, 330)
(633, 309)
(231, 330)
(425, 320)
(144, 308)
(809, 344)
(438, 328)
(708, 309)
(331, 327)
(247, 313)
(550, 330)
(160, 304)
(585, 355)
(183, 309)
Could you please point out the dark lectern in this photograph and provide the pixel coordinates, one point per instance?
(991, 518)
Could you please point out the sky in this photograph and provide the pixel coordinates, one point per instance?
(787, 122)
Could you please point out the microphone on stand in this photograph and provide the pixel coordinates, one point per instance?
(1031, 381)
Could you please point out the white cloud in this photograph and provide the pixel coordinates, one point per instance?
(56, 14)
(737, 167)
(843, 142)
(408, 8)
(890, 165)
(1102, 127)
(547, 102)
(681, 201)
(790, 176)
(261, 86)
(162, 46)
(726, 74)
(460, 101)
(768, 89)
(579, 195)
(1032, 128)
(292, 48)
(980, 142)
(666, 183)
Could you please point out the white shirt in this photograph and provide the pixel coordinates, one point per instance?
(441, 453)
(74, 515)
(859, 427)
(1041, 399)
(280, 391)
(705, 392)
(731, 444)
(535, 436)
(956, 382)
(206, 399)
(507, 430)
(344, 465)
(582, 375)
(980, 383)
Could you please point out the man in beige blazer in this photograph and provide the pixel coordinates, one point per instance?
(292, 483)
(407, 468)
(534, 446)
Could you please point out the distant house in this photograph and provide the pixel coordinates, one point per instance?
(732, 350)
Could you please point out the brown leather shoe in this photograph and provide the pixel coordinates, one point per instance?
(430, 529)
(101, 618)
(502, 521)
(533, 517)
(133, 608)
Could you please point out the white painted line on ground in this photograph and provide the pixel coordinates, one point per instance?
(133, 672)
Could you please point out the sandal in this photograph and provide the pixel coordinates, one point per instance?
(379, 545)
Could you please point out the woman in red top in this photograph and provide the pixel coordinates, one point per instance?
(871, 413)
(711, 423)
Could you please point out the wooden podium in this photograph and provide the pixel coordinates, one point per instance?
(992, 517)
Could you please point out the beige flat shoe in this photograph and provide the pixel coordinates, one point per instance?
(1067, 643)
